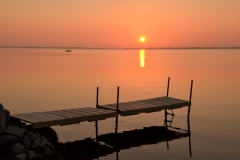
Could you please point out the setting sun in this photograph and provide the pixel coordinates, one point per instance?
(142, 39)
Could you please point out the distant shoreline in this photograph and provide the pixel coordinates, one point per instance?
(119, 47)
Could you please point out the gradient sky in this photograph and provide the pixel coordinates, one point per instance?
(108, 23)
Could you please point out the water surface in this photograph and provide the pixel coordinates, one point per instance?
(34, 80)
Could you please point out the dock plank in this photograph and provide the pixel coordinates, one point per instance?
(77, 115)
(64, 117)
(147, 105)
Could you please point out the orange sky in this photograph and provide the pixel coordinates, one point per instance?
(108, 23)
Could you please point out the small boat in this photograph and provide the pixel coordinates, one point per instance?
(68, 50)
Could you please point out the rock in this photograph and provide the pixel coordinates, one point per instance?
(2, 118)
(27, 142)
(48, 144)
(49, 133)
(17, 149)
(6, 141)
(30, 133)
(39, 147)
(7, 115)
(37, 140)
(21, 156)
(33, 136)
(15, 130)
(31, 154)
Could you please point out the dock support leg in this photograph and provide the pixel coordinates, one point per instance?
(167, 96)
(168, 86)
(96, 122)
(188, 120)
(96, 125)
(166, 121)
(190, 99)
(117, 110)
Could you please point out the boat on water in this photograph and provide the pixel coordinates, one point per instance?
(68, 50)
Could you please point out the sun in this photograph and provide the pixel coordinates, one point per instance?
(142, 39)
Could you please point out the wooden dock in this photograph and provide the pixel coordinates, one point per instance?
(73, 116)
(147, 105)
(64, 117)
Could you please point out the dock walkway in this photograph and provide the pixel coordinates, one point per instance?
(73, 116)
(64, 117)
(147, 105)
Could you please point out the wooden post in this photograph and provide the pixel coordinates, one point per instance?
(96, 125)
(166, 125)
(117, 110)
(168, 86)
(189, 143)
(97, 99)
(190, 100)
(96, 122)
(166, 109)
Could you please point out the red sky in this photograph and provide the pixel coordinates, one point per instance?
(108, 23)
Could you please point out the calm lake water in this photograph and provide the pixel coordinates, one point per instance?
(34, 80)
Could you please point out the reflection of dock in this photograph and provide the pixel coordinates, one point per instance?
(139, 137)
(109, 143)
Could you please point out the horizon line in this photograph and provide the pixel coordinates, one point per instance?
(40, 47)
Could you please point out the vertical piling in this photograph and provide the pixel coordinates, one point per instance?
(97, 98)
(96, 122)
(117, 110)
(190, 100)
(167, 96)
(168, 86)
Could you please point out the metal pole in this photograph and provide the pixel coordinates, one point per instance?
(167, 145)
(167, 96)
(165, 118)
(190, 99)
(189, 139)
(168, 86)
(96, 122)
(97, 99)
(116, 124)
(96, 125)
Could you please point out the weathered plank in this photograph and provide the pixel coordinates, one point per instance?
(65, 117)
(147, 105)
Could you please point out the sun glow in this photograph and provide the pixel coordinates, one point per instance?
(142, 39)
(142, 57)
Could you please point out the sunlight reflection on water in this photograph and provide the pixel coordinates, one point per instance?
(42, 79)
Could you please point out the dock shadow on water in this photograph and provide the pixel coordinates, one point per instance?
(109, 143)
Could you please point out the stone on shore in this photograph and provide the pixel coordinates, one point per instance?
(6, 141)
(32, 136)
(17, 149)
(7, 115)
(21, 156)
(31, 154)
(39, 147)
(27, 142)
(16, 131)
(2, 118)
(48, 133)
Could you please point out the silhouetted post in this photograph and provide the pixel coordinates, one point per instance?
(189, 139)
(190, 100)
(96, 122)
(97, 98)
(167, 96)
(168, 86)
(117, 155)
(116, 125)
